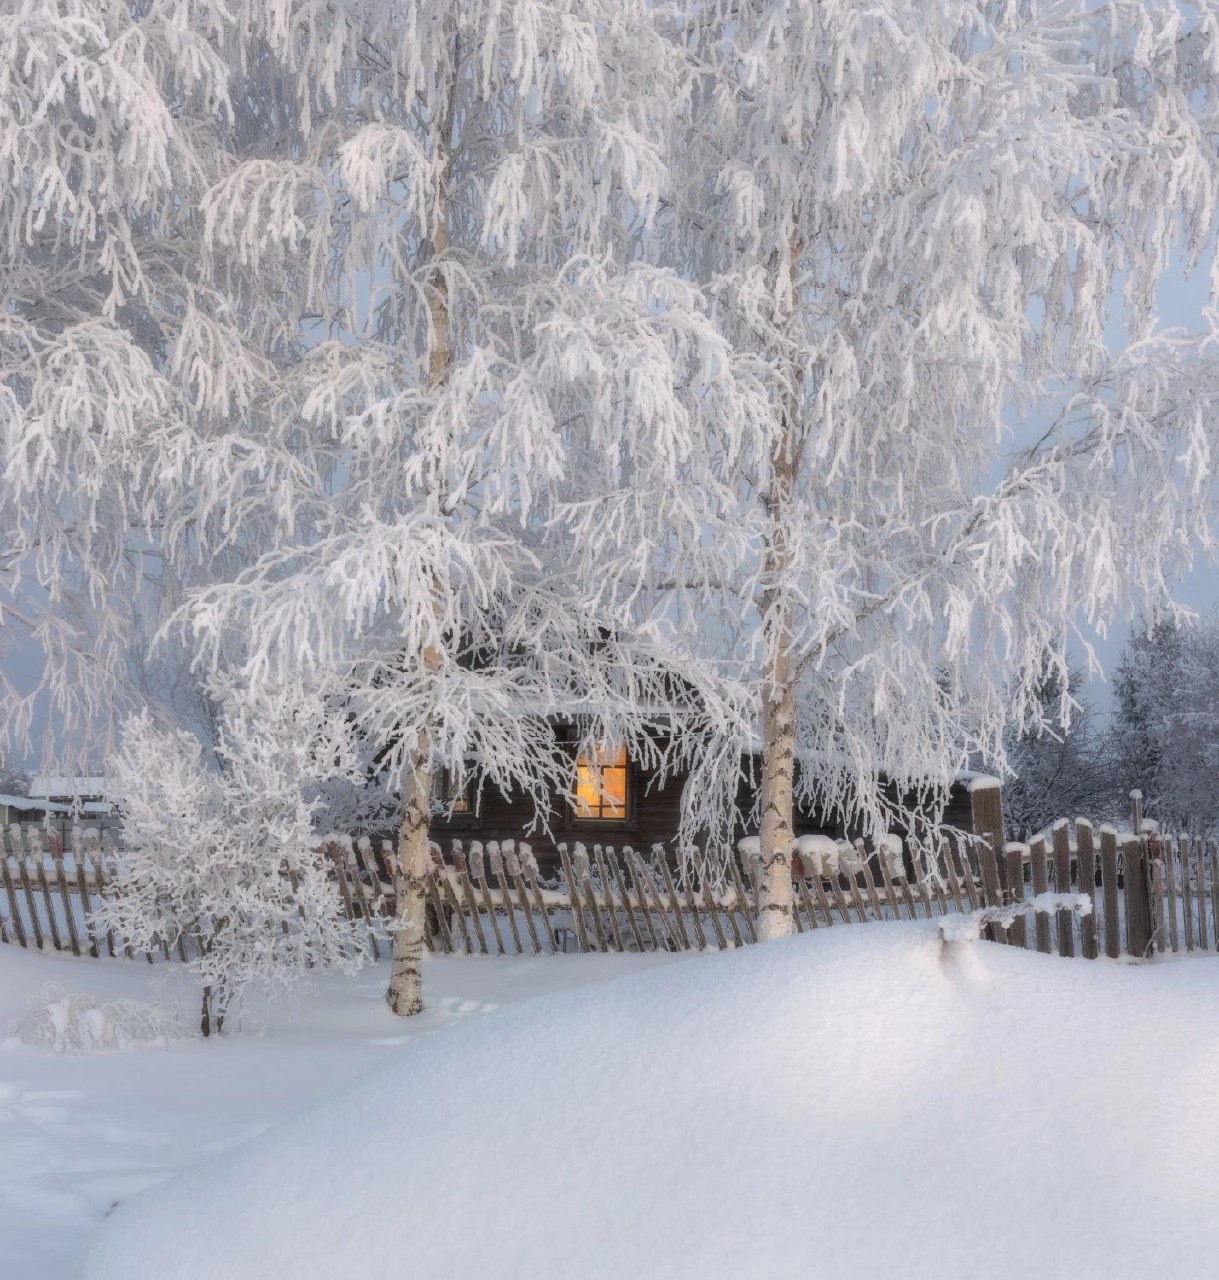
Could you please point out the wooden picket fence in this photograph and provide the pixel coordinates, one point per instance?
(1150, 894)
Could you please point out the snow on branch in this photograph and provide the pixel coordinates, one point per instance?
(969, 928)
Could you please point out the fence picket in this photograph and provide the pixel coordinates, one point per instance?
(645, 885)
(1211, 852)
(869, 887)
(712, 910)
(512, 871)
(68, 912)
(692, 907)
(950, 873)
(1200, 851)
(890, 892)
(1108, 858)
(1158, 923)
(659, 853)
(1086, 852)
(611, 909)
(987, 861)
(1041, 884)
(467, 893)
(363, 894)
(1135, 880)
(479, 864)
(531, 885)
(496, 860)
(574, 898)
(82, 887)
(1187, 910)
(1013, 866)
(919, 884)
(969, 881)
(1170, 885)
(1062, 884)
(618, 877)
(843, 907)
(10, 892)
(853, 893)
(445, 876)
(742, 898)
(631, 880)
(36, 859)
(801, 882)
(589, 891)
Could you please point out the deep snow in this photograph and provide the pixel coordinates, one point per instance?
(78, 1133)
(858, 1102)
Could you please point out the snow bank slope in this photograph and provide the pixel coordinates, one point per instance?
(844, 1104)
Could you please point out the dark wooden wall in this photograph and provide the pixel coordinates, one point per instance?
(652, 817)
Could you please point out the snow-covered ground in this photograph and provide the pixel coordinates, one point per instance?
(79, 1133)
(852, 1103)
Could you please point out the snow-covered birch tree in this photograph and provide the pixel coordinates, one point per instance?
(461, 158)
(117, 341)
(343, 226)
(918, 224)
(227, 862)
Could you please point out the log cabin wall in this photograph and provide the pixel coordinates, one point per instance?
(653, 812)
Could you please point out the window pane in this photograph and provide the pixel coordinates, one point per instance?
(601, 783)
(588, 791)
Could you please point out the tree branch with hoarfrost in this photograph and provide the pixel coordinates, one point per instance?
(227, 863)
(910, 224)
(412, 459)
(115, 342)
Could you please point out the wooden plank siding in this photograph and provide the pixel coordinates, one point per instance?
(653, 815)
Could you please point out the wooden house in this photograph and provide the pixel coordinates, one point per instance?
(617, 802)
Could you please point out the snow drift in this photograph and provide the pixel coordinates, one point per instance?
(856, 1103)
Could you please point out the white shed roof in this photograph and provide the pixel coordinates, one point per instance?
(51, 785)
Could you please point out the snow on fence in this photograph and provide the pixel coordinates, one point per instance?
(1149, 893)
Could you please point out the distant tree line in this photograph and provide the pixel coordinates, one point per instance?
(1161, 738)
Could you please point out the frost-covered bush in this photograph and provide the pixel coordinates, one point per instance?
(227, 861)
(79, 1024)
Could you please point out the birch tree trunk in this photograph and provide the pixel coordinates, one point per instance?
(405, 994)
(778, 713)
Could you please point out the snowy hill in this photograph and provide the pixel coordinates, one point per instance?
(855, 1103)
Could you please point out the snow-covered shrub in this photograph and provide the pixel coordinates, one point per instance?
(229, 861)
(79, 1024)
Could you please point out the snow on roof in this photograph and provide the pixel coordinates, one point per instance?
(53, 785)
(972, 781)
(817, 1071)
(21, 802)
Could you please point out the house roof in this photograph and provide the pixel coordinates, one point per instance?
(36, 804)
(43, 785)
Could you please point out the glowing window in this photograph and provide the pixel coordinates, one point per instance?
(449, 792)
(601, 784)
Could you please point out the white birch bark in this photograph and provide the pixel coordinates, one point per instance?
(405, 994)
(778, 715)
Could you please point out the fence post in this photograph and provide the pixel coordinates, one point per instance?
(1062, 884)
(986, 817)
(986, 814)
(1138, 896)
(1086, 853)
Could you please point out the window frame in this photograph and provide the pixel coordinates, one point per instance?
(451, 801)
(621, 761)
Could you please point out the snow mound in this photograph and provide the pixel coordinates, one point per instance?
(80, 1024)
(865, 1102)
